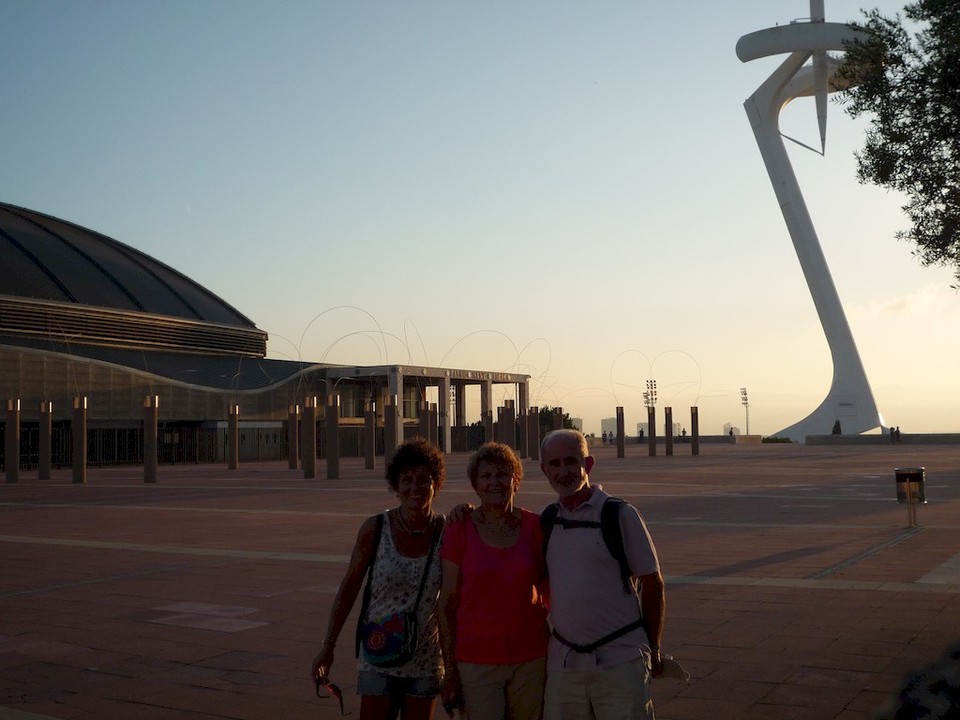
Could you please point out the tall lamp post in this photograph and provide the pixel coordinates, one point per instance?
(746, 407)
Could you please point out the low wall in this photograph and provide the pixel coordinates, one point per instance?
(905, 439)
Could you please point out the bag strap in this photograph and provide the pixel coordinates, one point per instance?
(426, 566)
(377, 533)
(613, 539)
(547, 519)
(609, 525)
(590, 647)
(365, 604)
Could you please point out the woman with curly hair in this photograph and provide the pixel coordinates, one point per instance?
(401, 546)
(493, 621)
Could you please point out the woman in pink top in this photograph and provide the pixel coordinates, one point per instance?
(493, 622)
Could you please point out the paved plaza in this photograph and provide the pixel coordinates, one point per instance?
(795, 588)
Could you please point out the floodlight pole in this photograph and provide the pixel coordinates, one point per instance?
(746, 407)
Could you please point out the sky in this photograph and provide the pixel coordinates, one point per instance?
(569, 190)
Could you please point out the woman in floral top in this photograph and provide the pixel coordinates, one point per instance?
(416, 473)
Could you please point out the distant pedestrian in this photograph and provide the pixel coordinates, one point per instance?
(892, 438)
(897, 433)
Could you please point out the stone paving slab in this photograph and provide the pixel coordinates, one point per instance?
(795, 589)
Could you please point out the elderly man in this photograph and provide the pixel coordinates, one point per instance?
(607, 599)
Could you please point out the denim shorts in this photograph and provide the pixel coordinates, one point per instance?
(371, 682)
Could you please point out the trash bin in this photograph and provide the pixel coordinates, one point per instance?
(915, 477)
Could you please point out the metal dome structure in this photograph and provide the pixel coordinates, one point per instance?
(88, 322)
(65, 283)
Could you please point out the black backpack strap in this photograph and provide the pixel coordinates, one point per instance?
(548, 519)
(377, 533)
(609, 528)
(610, 637)
(613, 539)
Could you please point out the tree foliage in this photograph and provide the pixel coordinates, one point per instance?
(546, 417)
(905, 76)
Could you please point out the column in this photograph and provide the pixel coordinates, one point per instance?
(695, 430)
(523, 410)
(523, 395)
(369, 435)
(46, 439)
(151, 421)
(652, 430)
(486, 409)
(423, 418)
(444, 414)
(233, 437)
(668, 429)
(533, 432)
(308, 429)
(507, 424)
(332, 427)
(460, 404)
(395, 393)
(620, 432)
(433, 414)
(78, 432)
(11, 439)
(392, 427)
(293, 436)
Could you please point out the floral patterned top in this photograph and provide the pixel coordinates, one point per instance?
(393, 588)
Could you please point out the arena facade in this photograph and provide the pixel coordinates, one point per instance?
(85, 319)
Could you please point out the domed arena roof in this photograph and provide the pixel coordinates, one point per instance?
(67, 284)
(45, 258)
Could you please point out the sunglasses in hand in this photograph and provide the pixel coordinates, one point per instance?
(331, 688)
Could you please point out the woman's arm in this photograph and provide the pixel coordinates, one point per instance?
(346, 596)
(452, 697)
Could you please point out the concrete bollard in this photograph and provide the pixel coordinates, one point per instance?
(46, 440)
(233, 437)
(151, 420)
(11, 439)
(331, 422)
(309, 429)
(78, 432)
(293, 436)
(370, 435)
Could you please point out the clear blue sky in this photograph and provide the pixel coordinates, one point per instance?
(566, 189)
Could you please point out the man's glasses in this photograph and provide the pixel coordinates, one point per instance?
(331, 688)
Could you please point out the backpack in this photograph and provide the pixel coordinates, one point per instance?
(613, 538)
(609, 529)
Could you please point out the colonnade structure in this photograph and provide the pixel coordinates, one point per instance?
(849, 399)
(358, 411)
(403, 387)
(107, 351)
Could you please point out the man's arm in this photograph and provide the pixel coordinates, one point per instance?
(653, 601)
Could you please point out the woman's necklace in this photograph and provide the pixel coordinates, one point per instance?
(406, 528)
(501, 523)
